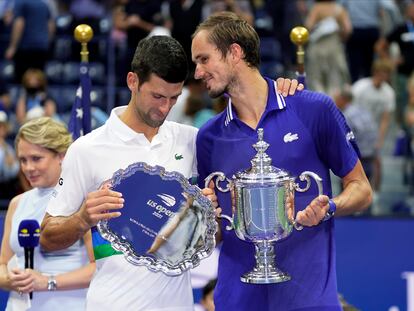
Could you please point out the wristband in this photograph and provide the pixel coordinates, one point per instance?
(331, 212)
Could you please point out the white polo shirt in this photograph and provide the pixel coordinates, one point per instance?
(93, 159)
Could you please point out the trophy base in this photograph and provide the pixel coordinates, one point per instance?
(265, 277)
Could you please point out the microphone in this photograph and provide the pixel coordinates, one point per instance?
(28, 236)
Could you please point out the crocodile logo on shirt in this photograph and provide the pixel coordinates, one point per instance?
(178, 156)
(289, 137)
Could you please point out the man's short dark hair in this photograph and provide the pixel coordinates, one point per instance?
(161, 55)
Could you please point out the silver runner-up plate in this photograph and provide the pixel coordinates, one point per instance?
(166, 223)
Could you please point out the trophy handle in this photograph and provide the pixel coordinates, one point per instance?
(221, 178)
(305, 176)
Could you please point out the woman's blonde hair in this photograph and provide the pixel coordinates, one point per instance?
(45, 132)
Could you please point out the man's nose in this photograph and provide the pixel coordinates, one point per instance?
(166, 106)
(198, 74)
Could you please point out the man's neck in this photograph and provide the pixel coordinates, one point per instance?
(132, 121)
(249, 97)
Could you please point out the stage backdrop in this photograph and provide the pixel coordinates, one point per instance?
(375, 260)
(375, 263)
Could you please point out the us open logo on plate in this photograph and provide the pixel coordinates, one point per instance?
(167, 199)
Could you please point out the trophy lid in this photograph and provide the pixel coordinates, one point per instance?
(262, 169)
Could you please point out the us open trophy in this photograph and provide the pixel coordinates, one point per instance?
(263, 211)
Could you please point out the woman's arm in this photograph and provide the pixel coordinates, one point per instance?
(312, 18)
(31, 280)
(21, 109)
(50, 107)
(79, 278)
(6, 252)
(345, 23)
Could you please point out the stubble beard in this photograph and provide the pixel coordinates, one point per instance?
(219, 92)
(215, 93)
(146, 117)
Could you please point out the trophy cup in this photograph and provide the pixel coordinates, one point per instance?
(166, 223)
(263, 211)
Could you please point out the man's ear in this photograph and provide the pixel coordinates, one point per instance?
(236, 52)
(132, 81)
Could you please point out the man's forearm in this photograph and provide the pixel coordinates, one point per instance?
(357, 193)
(61, 232)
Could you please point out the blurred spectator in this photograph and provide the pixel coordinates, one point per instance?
(118, 33)
(32, 31)
(87, 12)
(409, 111)
(6, 18)
(119, 38)
(329, 25)
(409, 128)
(180, 112)
(393, 15)
(34, 102)
(9, 165)
(403, 35)
(185, 16)
(6, 12)
(207, 300)
(377, 96)
(141, 17)
(5, 101)
(197, 111)
(366, 21)
(362, 124)
(243, 8)
(286, 15)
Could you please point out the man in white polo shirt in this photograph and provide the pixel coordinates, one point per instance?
(133, 133)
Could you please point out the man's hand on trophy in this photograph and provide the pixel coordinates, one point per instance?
(210, 193)
(288, 87)
(290, 207)
(315, 212)
(101, 204)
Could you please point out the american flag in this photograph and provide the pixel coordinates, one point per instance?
(80, 119)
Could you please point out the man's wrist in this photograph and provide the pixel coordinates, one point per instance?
(83, 226)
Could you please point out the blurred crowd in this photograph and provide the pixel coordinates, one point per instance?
(359, 52)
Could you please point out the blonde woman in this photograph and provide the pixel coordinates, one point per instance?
(58, 277)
